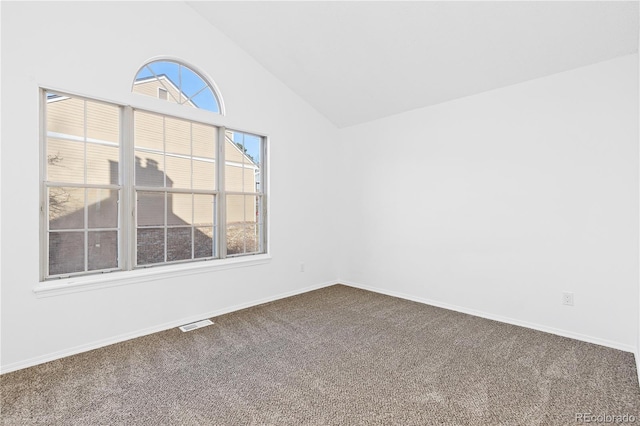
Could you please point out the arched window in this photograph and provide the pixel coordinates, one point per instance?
(127, 187)
(173, 81)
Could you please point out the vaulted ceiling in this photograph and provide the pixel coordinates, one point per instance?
(360, 61)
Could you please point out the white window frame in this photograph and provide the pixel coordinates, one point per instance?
(127, 272)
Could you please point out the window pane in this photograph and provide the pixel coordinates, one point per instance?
(250, 208)
(204, 175)
(235, 224)
(244, 224)
(249, 180)
(149, 169)
(102, 164)
(191, 82)
(243, 162)
(146, 86)
(235, 238)
(233, 149)
(179, 209)
(178, 172)
(150, 209)
(150, 246)
(253, 225)
(233, 177)
(177, 136)
(102, 205)
(65, 115)
(65, 161)
(204, 140)
(103, 250)
(166, 69)
(235, 209)
(252, 238)
(178, 244)
(253, 148)
(203, 242)
(203, 209)
(103, 122)
(66, 252)
(206, 100)
(148, 131)
(66, 208)
(255, 230)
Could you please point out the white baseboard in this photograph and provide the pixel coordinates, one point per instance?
(150, 330)
(546, 329)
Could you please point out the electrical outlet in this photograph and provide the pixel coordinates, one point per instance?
(567, 298)
(301, 266)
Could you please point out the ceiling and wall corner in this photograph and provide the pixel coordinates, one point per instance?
(360, 61)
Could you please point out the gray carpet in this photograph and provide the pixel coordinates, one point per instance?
(335, 356)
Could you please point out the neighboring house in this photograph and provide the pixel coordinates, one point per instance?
(163, 159)
(162, 88)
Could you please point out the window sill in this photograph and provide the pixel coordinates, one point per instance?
(112, 279)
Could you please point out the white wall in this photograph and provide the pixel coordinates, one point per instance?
(497, 203)
(95, 49)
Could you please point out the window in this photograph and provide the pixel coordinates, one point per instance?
(173, 81)
(82, 185)
(127, 188)
(163, 94)
(244, 196)
(175, 189)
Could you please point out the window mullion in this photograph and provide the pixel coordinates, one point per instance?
(44, 203)
(180, 83)
(193, 213)
(86, 192)
(86, 230)
(244, 198)
(164, 175)
(128, 196)
(222, 201)
(264, 185)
